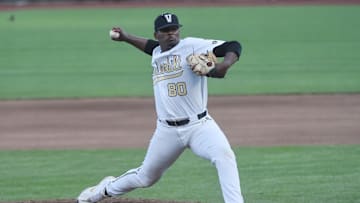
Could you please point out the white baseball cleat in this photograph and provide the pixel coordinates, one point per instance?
(95, 193)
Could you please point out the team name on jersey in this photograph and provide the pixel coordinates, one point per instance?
(167, 67)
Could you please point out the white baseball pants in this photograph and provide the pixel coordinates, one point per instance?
(204, 138)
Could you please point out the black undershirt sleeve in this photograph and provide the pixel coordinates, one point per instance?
(219, 51)
(150, 46)
(230, 46)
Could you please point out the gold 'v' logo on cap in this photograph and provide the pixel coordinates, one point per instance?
(168, 18)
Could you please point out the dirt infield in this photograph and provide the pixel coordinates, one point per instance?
(130, 122)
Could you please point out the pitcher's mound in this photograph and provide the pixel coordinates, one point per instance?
(111, 200)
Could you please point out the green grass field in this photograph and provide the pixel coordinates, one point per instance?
(322, 174)
(65, 53)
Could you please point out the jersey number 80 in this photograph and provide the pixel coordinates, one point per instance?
(177, 89)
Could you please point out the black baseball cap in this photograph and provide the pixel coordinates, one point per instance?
(166, 20)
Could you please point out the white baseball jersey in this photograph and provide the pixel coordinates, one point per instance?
(180, 93)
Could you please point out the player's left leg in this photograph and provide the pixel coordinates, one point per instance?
(209, 142)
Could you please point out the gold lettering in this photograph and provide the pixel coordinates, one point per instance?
(170, 64)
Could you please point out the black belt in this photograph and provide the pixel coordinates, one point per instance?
(185, 121)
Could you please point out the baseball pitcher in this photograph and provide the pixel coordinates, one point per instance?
(181, 68)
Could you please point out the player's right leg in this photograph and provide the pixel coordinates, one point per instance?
(163, 150)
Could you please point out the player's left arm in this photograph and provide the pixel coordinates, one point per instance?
(231, 52)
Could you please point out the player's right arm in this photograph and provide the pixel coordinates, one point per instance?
(143, 44)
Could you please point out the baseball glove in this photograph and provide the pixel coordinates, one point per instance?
(201, 64)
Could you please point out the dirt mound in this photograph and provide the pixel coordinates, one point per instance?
(111, 200)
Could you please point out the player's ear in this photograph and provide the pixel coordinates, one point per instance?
(155, 35)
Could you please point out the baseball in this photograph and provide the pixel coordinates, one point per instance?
(114, 34)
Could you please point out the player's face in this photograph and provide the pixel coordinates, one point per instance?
(168, 37)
